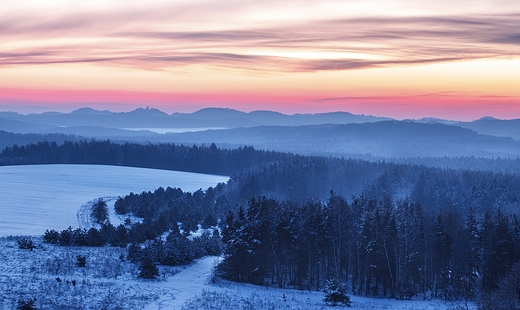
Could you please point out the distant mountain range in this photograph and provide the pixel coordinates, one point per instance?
(486, 125)
(396, 139)
(153, 118)
(330, 134)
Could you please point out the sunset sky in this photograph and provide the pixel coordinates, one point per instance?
(401, 58)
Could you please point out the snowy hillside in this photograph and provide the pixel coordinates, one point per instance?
(40, 197)
(50, 275)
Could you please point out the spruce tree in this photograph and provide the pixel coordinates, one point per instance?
(99, 212)
(148, 270)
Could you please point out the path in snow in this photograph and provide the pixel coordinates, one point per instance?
(185, 284)
(195, 278)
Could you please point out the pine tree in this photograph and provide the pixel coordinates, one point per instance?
(443, 246)
(471, 259)
(99, 212)
(147, 269)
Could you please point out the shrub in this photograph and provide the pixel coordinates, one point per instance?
(26, 304)
(81, 261)
(335, 293)
(25, 244)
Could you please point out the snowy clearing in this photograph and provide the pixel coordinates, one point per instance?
(40, 197)
(111, 283)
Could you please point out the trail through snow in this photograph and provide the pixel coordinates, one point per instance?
(195, 278)
(185, 284)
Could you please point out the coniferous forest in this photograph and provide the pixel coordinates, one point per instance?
(385, 229)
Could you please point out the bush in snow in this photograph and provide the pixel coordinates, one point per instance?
(25, 244)
(81, 261)
(335, 293)
(26, 304)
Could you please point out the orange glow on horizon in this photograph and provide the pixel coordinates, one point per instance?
(402, 59)
(449, 105)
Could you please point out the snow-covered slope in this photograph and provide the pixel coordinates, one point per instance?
(39, 197)
(109, 282)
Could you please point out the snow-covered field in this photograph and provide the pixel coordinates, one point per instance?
(39, 197)
(107, 282)
(35, 198)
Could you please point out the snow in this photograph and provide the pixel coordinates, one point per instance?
(185, 285)
(39, 197)
(35, 198)
(108, 282)
(105, 283)
(192, 288)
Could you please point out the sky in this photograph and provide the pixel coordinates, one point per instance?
(395, 58)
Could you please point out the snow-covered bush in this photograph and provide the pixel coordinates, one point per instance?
(26, 304)
(81, 260)
(25, 244)
(335, 293)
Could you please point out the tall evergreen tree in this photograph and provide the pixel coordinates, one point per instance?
(99, 212)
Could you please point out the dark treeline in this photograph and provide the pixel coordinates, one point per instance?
(8, 139)
(401, 228)
(201, 159)
(379, 248)
(292, 177)
(497, 165)
(177, 249)
(299, 178)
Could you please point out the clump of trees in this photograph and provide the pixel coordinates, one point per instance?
(380, 248)
(91, 237)
(176, 249)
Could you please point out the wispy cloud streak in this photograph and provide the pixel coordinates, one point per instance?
(349, 43)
